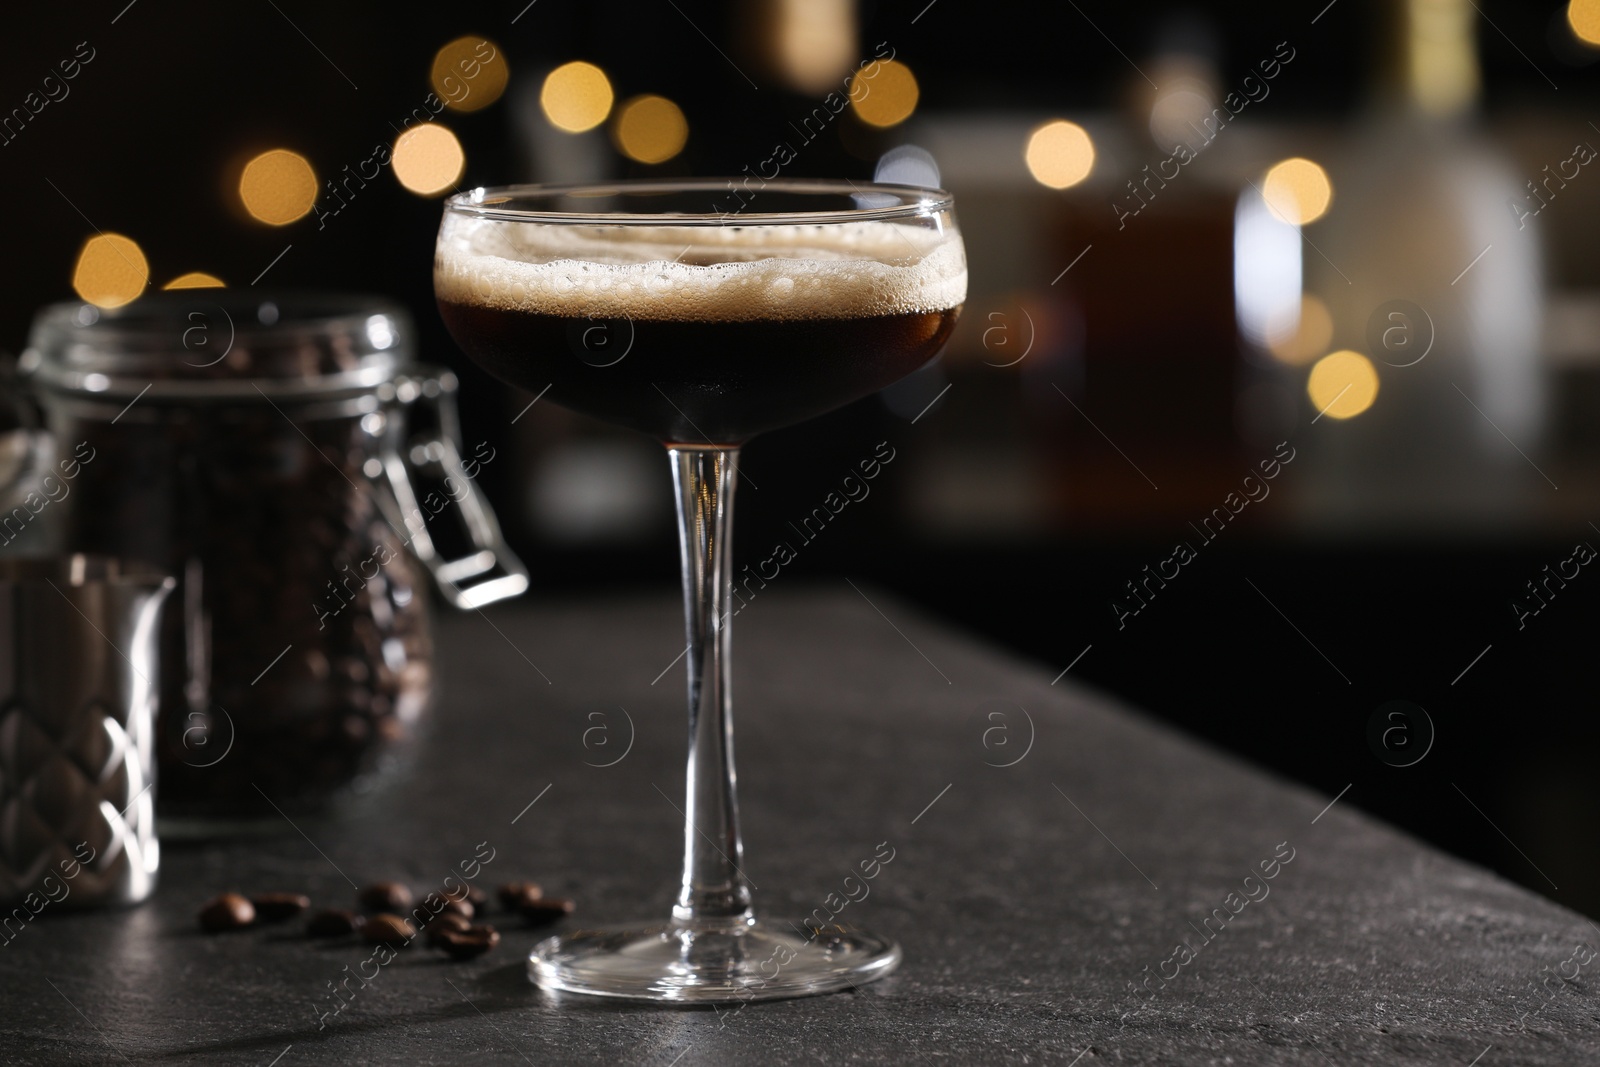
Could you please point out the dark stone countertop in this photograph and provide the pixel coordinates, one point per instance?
(1028, 898)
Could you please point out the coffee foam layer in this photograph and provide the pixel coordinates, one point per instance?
(698, 273)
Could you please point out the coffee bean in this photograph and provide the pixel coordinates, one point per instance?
(276, 907)
(513, 895)
(385, 896)
(469, 893)
(443, 925)
(465, 944)
(446, 907)
(389, 930)
(230, 911)
(333, 922)
(546, 910)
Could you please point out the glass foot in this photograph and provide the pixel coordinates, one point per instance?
(753, 961)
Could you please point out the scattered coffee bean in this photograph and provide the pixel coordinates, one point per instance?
(230, 911)
(276, 907)
(445, 924)
(389, 930)
(333, 922)
(546, 910)
(449, 928)
(385, 896)
(513, 895)
(471, 894)
(456, 908)
(465, 944)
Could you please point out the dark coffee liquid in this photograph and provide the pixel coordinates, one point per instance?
(698, 383)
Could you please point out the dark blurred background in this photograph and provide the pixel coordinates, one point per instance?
(1410, 301)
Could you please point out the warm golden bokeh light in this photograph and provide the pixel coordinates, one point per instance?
(428, 159)
(576, 96)
(1309, 339)
(1059, 154)
(1183, 111)
(887, 97)
(278, 187)
(1297, 191)
(1584, 18)
(469, 73)
(1343, 384)
(111, 270)
(650, 129)
(196, 279)
(808, 45)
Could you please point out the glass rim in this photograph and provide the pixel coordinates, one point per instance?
(911, 201)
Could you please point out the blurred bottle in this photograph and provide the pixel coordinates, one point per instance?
(1426, 273)
(1152, 363)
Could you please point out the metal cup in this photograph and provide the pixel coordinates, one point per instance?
(78, 693)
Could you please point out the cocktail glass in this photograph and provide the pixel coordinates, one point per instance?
(703, 313)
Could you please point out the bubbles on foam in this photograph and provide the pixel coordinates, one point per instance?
(724, 273)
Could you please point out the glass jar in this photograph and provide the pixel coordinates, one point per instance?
(290, 465)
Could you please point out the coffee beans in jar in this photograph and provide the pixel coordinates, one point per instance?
(271, 454)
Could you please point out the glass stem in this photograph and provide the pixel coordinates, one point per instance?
(715, 893)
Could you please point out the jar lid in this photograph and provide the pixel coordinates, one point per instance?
(220, 345)
(78, 569)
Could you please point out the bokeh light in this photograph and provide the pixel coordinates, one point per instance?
(469, 73)
(1310, 337)
(1059, 154)
(576, 96)
(1343, 384)
(650, 129)
(1183, 114)
(907, 164)
(428, 159)
(887, 97)
(1298, 191)
(111, 270)
(1584, 18)
(196, 279)
(809, 45)
(278, 187)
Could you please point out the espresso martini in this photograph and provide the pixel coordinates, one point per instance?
(628, 301)
(699, 335)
